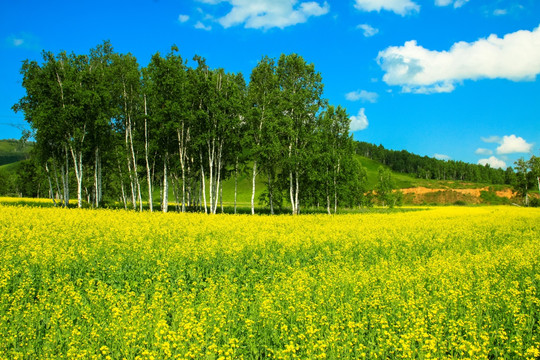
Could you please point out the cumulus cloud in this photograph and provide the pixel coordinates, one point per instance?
(183, 18)
(360, 121)
(367, 30)
(441, 157)
(365, 96)
(266, 14)
(455, 3)
(401, 7)
(515, 57)
(513, 144)
(493, 162)
(483, 151)
(201, 26)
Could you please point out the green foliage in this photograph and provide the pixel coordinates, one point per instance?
(490, 197)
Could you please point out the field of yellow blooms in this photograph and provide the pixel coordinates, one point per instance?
(111, 284)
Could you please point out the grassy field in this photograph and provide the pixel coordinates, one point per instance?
(103, 284)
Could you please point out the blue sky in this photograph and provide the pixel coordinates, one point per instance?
(453, 79)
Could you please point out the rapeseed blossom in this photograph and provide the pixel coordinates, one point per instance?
(103, 284)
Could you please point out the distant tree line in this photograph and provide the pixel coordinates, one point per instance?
(425, 167)
(115, 131)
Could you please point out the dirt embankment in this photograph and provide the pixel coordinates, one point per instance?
(507, 193)
(421, 195)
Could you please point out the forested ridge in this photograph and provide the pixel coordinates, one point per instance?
(425, 167)
(109, 130)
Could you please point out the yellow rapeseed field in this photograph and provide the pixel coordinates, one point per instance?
(440, 283)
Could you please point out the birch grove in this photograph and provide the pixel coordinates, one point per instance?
(133, 135)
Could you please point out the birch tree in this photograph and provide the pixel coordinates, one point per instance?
(262, 99)
(126, 88)
(300, 101)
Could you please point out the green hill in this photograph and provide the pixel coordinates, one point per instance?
(12, 151)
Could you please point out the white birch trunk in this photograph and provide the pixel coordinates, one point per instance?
(77, 162)
(148, 174)
(58, 191)
(270, 194)
(235, 182)
(291, 190)
(51, 193)
(253, 187)
(66, 180)
(165, 204)
(203, 186)
(218, 177)
(297, 205)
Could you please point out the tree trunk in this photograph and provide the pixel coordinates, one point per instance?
(203, 187)
(235, 182)
(270, 194)
(77, 162)
(148, 174)
(51, 194)
(221, 196)
(328, 203)
(291, 192)
(253, 187)
(58, 191)
(165, 197)
(211, 150)
(124, 199)
(65, 180)
(297, 205)
(97, 177)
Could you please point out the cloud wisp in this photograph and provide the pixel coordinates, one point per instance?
(368, 30)
(401, 7)
(22, 40)
(183, 18)
(483, 151)
(441, 157)
(199, 25)
(267, 14)
(515, 57)
(455, 3)
(363, 95)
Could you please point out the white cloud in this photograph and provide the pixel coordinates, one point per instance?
(493, 162)
(401, 7)
(514, 144)
(360, 121)
(183, 18)
(201, 26)
(515, 57)
(482, 151)
(441, 157)
(266, 14)
(500, 12)
(365, 96)
(491, 139)
(456, 3)
(367, 30)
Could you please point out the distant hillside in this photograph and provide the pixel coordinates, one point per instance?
(424, 167)
(12, 151)
(432, 182)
